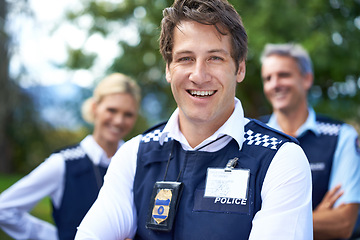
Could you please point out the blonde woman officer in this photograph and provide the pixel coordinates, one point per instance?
(73, 176)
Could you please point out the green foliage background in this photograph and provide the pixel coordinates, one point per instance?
(329, 30)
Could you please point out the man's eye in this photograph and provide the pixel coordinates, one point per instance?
(111, 110)
(216, 58)
(184, 59)
(266, 79)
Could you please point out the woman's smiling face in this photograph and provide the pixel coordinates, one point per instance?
(115, 116)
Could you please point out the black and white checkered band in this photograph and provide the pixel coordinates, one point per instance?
(331, 129)
(154, 137)
(250, 138)
(259, 139)
(73, 153)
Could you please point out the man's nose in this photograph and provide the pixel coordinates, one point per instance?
(199, 72)
(273, 81)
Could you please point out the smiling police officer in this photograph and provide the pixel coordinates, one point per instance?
(209, 172)
(73, 176)
(330, 145)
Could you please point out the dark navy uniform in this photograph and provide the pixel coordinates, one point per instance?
(319, 149)
(320, 153)
(83, 181)
(198, 217)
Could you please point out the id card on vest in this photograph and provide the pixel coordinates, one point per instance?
(226, 190)
(163, 204)
(229, 184)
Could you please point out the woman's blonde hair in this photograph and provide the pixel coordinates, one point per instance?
(113, 83)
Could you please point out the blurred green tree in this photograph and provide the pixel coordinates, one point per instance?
(4, 90)
(25, 138)
(329, 30)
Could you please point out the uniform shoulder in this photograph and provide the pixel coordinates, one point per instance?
(259, 130)
(72, 152)
(153, 134)
(327, 125)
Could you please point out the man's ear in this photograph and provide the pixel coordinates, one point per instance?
(241, 72)
(308, 81)
(167, 73)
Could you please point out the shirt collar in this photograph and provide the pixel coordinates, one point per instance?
(309, 124)
(233, 127)
(96, 154)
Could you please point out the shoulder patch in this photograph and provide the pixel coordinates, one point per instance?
(264, 125)
(331, 129)
(153, 136)
(72, 153)
(258, 139)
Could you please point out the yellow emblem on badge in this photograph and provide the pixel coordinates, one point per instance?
(162, 205)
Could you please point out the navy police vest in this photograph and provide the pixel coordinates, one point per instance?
(320, 152)
(80, 192)
(198, 217)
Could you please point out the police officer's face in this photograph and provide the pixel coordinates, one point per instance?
(284, 85)
(203, 74)
(115, 116)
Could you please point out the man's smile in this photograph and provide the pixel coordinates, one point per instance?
(199, 93)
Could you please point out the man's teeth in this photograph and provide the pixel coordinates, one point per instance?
(201, 93)
(280, 94)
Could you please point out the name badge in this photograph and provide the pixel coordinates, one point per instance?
(227, 183)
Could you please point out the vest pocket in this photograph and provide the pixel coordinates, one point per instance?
(220, 204)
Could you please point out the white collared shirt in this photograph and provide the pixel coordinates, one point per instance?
(233, 129)
(309, 124)
(286, 191)
(45, 180)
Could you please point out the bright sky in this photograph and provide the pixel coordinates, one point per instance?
(41, 46)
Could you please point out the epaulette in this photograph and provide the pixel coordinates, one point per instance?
(277, 131)
(328, 126)
(72, 153)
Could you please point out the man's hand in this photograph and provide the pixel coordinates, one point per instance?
(330, 198)
(334, 222)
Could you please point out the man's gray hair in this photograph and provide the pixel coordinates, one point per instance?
(296, 51)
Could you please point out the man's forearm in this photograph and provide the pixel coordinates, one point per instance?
(336, 222)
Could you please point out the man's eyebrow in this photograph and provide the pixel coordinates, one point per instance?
(182, 52)
(218, 51)
(210, 51)
(284, 72)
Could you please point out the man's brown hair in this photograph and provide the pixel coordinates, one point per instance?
(219, 13)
